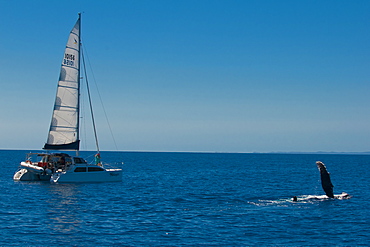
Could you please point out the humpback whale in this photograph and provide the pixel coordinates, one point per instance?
(326, 185)
(325, 179)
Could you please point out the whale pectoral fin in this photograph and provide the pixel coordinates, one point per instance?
(325, 179)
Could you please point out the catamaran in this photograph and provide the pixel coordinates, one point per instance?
(64, 130)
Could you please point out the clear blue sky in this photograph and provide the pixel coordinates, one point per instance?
(227, 76)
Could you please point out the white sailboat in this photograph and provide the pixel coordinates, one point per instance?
(64, 130)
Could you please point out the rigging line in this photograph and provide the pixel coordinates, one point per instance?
(101, 101)
(91, 108)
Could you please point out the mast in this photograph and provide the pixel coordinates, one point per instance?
(88, 90)
(79, 82)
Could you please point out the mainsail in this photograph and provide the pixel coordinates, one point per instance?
(64, 127)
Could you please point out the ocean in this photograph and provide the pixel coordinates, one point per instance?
(192, 199)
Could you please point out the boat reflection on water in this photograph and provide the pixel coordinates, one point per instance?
(64, 211)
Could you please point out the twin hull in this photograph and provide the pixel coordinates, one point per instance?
(24, 174)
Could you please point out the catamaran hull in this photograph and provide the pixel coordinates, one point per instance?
(27, 175)
(31, 172)
(109, 175)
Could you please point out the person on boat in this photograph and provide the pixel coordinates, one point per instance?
(294, 199)
(62, 162)
(51, 167)
(97, 159)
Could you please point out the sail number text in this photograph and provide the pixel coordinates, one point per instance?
(69, 59)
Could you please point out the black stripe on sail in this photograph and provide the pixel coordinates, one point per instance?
(69, 146)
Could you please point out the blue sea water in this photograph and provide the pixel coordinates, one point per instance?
(191, 199)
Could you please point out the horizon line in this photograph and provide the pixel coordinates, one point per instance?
(225, 152)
